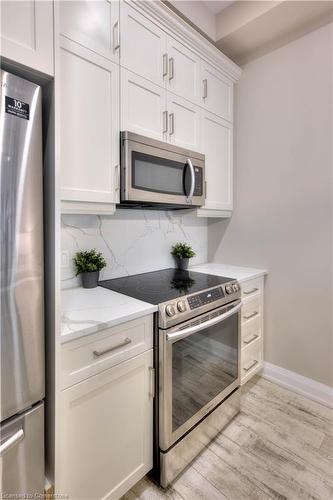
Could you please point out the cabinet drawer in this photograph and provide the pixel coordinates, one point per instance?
(252, 308)
(251, 358)
(252, 287)
(92, 354)
(251, 331)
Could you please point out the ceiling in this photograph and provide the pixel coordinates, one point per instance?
(215, 6)
(247, 29)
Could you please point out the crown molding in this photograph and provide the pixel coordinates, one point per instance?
(170, 22)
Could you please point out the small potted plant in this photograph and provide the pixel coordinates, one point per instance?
(182, 253)
(88, 264)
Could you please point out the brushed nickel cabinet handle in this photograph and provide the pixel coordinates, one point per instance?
(152, 391)
(251, 339)
(165, 121)
(112, 348)
(117, 177)
(165, 65)
(116, 36)
(252, 365)
(252, 315)
(172, 123)
(205, 88)
(248, 292)
(171, 68)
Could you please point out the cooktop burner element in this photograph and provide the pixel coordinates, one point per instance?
(179, 294)
(161, 286)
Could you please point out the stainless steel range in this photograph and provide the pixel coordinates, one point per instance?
(197, 356)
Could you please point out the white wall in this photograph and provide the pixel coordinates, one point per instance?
(283, 199)
(132, 241)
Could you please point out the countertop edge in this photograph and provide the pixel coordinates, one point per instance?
(68, 337)
(226, 270)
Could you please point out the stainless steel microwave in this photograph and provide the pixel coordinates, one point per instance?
(156, 174)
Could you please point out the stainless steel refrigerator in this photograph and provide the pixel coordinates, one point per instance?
(22, 295)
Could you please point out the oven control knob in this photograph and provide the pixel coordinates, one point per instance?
(181, 306)
(229, 289)
(170, 310)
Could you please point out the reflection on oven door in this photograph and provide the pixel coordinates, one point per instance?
(203, 365)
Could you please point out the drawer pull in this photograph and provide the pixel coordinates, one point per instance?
(205, 88)
(116, 36)
(251, 339)
(109, 349)
(248, 292)
(165, 64)
(171, 69)
(152, 391)
(252, 365)
(252, 315)
(172, 123)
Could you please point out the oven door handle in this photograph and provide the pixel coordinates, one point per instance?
(190, 194)
(182, 334)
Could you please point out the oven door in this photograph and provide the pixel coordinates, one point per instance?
(199, 367)
(155, 175)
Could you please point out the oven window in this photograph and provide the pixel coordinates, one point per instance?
(203, 365)
(159, 175)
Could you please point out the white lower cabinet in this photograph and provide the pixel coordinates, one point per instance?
(88, 130)
(252, 323)
(106, 431)
(142, 105)
(216, 145)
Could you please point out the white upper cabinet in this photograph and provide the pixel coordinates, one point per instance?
(183, 123)
(216, 145)
(183, 71)
(217, 92)
(93, 24)
(143, 45)
(143, 105)
(106, 431)
(27, 33)
(89, 127)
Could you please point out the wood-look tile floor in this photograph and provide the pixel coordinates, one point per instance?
(280, 446)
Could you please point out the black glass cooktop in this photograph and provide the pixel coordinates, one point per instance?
(160, 286)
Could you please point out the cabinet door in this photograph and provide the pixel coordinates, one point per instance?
(217, 148)
(217, 92)
(95, 25)
(143, 106)
(106, 431)
(183, 71)
(89, 125)
(143, 45)
(27, 33)
(183, 123)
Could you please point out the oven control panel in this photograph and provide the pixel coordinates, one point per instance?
(201, 299)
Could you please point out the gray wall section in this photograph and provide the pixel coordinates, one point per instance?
(283, 199)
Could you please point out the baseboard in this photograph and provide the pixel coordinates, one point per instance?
(302, 385)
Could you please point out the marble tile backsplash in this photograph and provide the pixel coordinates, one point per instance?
(132, 241)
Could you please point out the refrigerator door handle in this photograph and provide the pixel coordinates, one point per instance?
(11, 442)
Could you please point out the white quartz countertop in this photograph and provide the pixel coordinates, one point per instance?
(86, 311)
(235, 272)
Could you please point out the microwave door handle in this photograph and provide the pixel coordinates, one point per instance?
(182, 334)
(190, 194)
